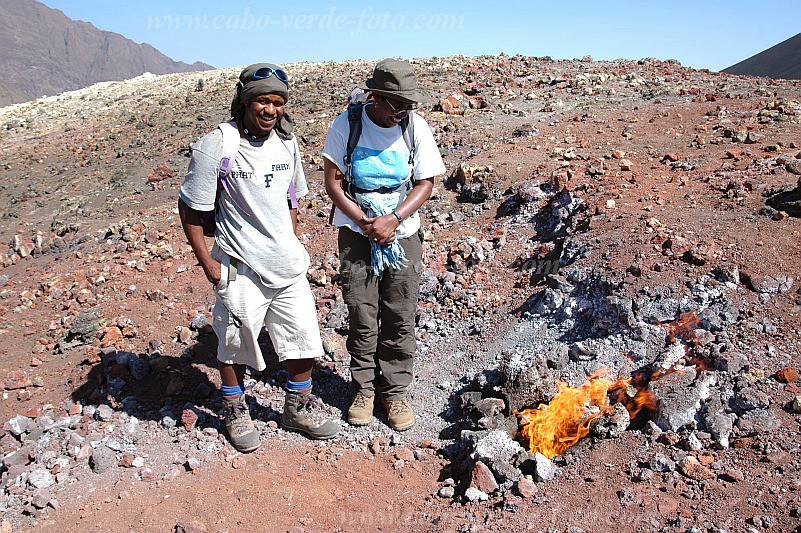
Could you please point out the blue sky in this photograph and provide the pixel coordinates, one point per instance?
(700, 34)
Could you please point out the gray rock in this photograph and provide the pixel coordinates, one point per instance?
(446, 492)
(40, 478)
(680, 395)
(124, 358)
(504, 472)
(558, 357)
(758, 421)
(719, 426)
(139, 368)
(496, 446)
(544, 469)
(103, 458)
(17, 425)
(84, 329)
(693, 443)
(473, 494)
(611, 425)
(794, 166)
(104, 413)
(199, 321)
(777, 284)
(731, 362)
(168, 422)
(749, 398)
(192, 526)
(672, 355)
(490, 406)
(660, 463)
(193, 463)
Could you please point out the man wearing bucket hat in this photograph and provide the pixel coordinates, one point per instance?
(257, 265)
(377, 191)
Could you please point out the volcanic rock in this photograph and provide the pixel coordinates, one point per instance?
(680, 395)
(192, 526)
(758, 421)
(540, 467)
(767, 284)
(41, 478)
(447, 491)
(629, 496)
(788, 201)
(693, 469)
(612, 424)
(103, 458)
(660, 463)
(482, 478)
(17, 425)
(787, 375)
(732, 475)
(526, 487)
(473, 494)
(719, 426)
(748, 398)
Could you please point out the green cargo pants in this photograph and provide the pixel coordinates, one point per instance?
(381, 310)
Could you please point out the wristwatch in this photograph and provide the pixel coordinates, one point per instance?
(400, 219)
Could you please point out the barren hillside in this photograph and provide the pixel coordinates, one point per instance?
(638, 220)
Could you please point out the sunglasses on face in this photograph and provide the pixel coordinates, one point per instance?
(265, 72)
(399, 109)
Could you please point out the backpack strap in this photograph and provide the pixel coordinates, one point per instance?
(407, 127)
(230, 133)
(354, 133)
(289, 144)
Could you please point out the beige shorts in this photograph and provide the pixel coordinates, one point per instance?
(244, 305)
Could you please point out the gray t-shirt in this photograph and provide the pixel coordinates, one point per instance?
(255, 226)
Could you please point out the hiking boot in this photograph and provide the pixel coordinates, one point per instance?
(361, 410)
(399, 413)
(241, 431)
(303, 413)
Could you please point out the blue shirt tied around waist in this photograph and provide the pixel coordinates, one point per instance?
(380, 169)
(392, 255)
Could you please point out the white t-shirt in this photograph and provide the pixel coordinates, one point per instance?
(255, 226)
(381, 156)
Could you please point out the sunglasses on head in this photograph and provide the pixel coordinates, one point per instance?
(400, 109)
(265, 72)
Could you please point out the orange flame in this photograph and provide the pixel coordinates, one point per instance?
(683, 327)
(553, 428)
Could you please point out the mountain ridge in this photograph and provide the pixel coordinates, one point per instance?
(48, 53)
(782, 61)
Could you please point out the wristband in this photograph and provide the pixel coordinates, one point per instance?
(400, 219)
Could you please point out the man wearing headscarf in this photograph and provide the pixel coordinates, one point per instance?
(257, 265)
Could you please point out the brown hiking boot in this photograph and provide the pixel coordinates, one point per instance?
(303, 413)
(361, 410)
(399, 413)
(241, 431)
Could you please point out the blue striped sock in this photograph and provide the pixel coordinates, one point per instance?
(230, 391)
(298, 386)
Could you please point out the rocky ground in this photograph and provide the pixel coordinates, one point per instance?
(632, 216)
